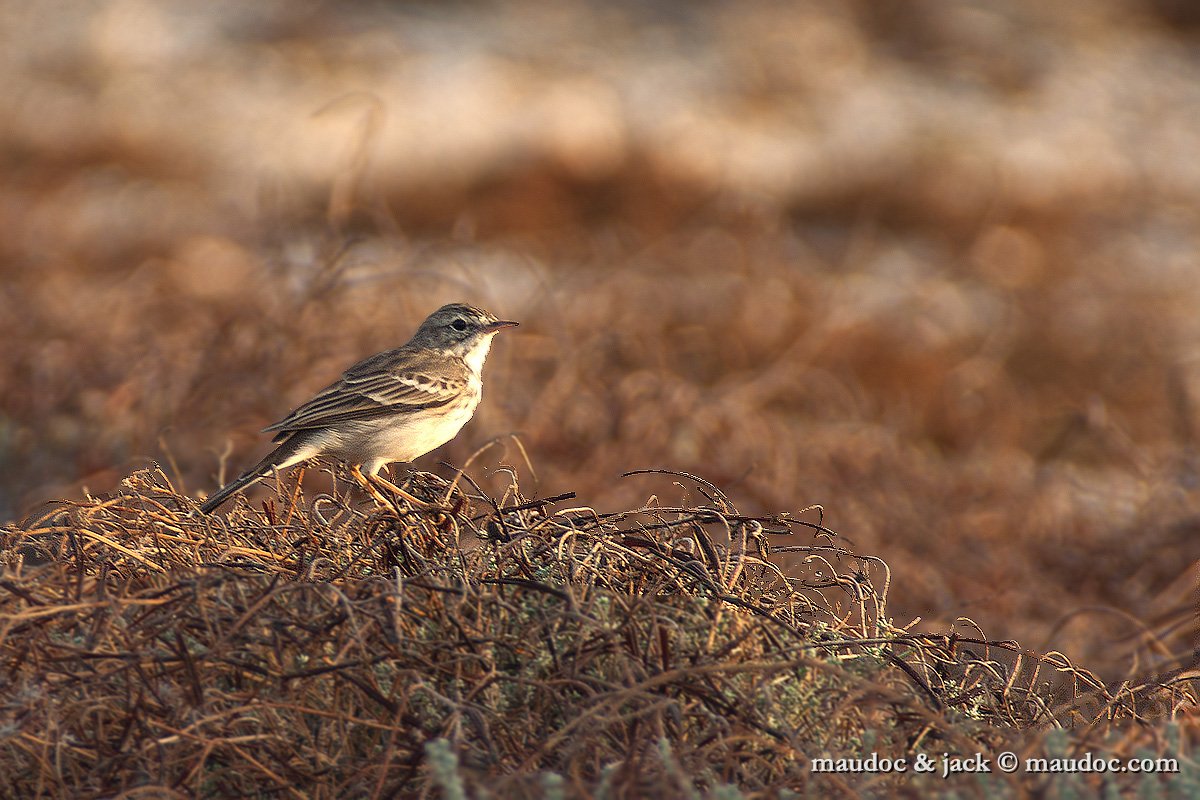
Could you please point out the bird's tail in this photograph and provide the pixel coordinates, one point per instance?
(288, 453)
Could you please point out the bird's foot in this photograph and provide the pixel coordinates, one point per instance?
(372, 484)
(365, 484)
(395, 490)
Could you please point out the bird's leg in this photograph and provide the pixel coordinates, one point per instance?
(396, 490)
(364, 482)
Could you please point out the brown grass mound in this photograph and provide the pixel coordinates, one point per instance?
(334, 649)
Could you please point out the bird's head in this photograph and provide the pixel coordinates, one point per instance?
(461, 330)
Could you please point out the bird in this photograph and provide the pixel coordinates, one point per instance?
(393, 406)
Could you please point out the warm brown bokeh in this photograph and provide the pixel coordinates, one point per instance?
(929, 265)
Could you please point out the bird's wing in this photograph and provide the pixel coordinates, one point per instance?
(388, 383)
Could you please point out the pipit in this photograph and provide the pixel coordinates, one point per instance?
(394, 406)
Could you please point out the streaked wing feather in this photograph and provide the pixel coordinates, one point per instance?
(386, 383)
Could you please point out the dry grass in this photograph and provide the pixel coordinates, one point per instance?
(931, 266)
(317, 647)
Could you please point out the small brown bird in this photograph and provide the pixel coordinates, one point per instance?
(394, 406)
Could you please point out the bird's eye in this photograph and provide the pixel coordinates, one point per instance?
(459, 324)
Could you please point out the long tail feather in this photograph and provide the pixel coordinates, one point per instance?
(285, 455)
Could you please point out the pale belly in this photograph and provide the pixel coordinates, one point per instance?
(405, 437)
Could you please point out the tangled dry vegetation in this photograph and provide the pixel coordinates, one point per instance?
(936, 273)
(507, 646)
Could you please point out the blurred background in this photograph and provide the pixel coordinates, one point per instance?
(930, 265)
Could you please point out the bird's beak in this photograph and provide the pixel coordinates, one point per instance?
(501, 324)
